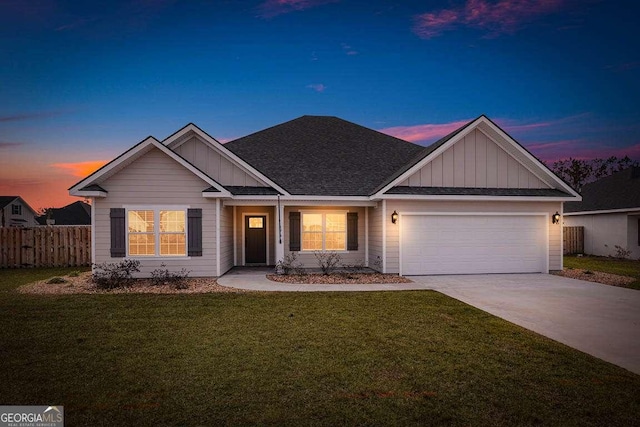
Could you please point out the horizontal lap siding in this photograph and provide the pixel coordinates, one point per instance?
(308, 259)
(548, 208)
(156, 179)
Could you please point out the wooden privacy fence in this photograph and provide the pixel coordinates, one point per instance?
(59, 246)
(573, 240)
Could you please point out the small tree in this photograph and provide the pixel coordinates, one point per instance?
(578, 172)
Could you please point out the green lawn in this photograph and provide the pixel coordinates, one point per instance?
(394, 358)
(623, 267)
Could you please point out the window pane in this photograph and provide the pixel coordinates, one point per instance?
(142, 244)
(172, 221)
(172, 244)
(335, 241)
(312, 222)
(257, 222)
(140, 221)
(312, 241)
(336, 222)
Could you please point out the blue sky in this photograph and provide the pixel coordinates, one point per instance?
(84, 81)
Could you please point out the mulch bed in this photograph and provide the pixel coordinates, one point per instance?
(339, 278)
(596, 276)
(82, 284)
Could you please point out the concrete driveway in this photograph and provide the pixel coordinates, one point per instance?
(600, 320)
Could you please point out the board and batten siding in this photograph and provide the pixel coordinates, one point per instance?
(155, 179)
(406, 206)
(474, 162)
(269, 211)
(375, 237)
(215, 165)
(307, 258)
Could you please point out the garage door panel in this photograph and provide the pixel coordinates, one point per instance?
(468, 244)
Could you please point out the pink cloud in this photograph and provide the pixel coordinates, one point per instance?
(504, 16)
(272, 8)
(425, 132)
(318, 87)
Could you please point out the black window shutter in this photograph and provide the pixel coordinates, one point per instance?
(118, 235)
(294, 231)
(352, 231)
(194, 228)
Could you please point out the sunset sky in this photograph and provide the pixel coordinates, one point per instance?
(82, 81)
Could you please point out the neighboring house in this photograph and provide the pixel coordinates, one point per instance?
(76, 213)
(15, 212)
(474, 202)
(609, 213)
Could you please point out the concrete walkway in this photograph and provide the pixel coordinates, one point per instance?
(600, 320)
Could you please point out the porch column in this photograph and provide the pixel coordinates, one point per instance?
(279, 232)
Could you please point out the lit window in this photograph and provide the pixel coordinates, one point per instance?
(324, 231)
(157, 232)
(256, 222)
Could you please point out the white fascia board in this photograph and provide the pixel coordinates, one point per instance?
(530, 157)
(329, 198)
(134, 151)
(298, 201)
(605, 211)
(217, 146)
(428, 158)
(475, 198)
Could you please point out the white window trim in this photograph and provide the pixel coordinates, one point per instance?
(324, 221)
(19, 209)
(156, 229)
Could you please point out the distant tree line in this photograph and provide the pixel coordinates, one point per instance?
(577, 172)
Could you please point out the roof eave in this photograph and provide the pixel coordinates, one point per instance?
(472, 198)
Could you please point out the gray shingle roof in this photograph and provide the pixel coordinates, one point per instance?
(5, 200)
(456, 191)
(77, 213)
(323, 155)
(620, 190)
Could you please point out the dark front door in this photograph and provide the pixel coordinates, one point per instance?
(255, 239)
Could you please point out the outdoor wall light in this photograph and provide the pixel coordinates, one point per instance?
(394, 217)
(555, 218)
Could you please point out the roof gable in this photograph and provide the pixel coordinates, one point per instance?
(6, 200)
(617, 191)
(86, 186)
(478, 155)
(324, 156)
(206, 153)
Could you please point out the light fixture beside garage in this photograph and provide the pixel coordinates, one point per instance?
(394, 217)
(555, 218)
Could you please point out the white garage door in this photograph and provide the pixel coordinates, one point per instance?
(473, 244)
